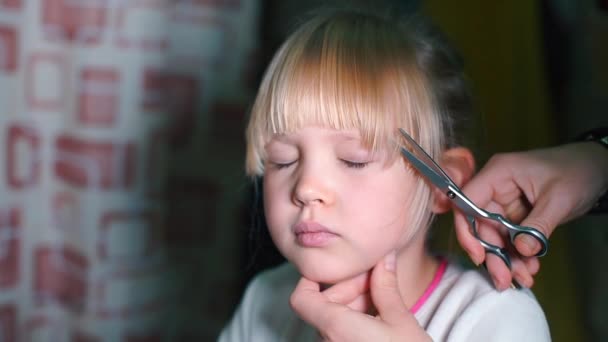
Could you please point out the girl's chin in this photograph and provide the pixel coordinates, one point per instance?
(328, 277)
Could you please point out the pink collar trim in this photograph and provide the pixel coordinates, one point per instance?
(429, 290)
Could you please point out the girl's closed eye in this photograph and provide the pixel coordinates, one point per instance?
(356, 158)
(280, 155)
(355, 164)
(282, 165)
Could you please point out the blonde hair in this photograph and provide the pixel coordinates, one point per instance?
(350, 70)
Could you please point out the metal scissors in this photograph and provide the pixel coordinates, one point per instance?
(429, 169)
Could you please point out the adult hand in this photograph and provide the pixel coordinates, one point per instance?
(539, 188)
(339, 313)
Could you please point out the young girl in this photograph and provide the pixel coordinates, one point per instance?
(338, 197)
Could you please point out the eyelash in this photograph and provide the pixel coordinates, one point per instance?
(280, 166)
(354, 165)
(348, 163)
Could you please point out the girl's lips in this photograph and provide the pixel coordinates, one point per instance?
(312, 234)
(318, 239)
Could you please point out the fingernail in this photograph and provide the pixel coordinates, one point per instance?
(477, 261)
(497, 284)
(390, 261)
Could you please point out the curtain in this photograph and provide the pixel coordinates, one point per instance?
(111, 193)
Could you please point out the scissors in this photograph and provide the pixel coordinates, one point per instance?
(429, 169)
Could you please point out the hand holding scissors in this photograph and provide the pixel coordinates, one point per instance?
(433, 173)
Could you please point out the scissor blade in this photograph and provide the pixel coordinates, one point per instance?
(437, 179)
(424, 158)
(435, 174)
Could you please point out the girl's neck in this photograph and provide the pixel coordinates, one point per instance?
(415, 272)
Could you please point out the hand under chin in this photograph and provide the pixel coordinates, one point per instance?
(352, 292)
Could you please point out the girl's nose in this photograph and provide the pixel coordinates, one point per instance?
(313, 188)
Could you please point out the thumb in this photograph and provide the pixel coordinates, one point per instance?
(390, 306)
(547, 213)
(385, 292)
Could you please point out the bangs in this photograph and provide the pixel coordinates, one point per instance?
(350, 72)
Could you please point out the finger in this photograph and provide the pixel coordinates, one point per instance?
(466, 239)
(521, 274)
(547, 213)
(349, 290)
(305, 290)
(516, 209)
(362, 303)
(499, 272)
(390, 306)
(333, 321)
(385, 291)
(532, 264)
(312, 306)
(489, 181)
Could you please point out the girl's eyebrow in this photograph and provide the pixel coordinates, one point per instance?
(345, 135)
(349, 136)
(281, 137)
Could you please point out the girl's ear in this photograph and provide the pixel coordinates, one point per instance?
(459, 164)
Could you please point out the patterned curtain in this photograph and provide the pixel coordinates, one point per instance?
(111, 195)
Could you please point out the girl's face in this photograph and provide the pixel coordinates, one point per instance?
(333, 208)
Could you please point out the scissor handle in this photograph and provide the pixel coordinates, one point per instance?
(488, 247)
(467, 206)
(515, 230)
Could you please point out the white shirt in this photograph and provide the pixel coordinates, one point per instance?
(463, 307)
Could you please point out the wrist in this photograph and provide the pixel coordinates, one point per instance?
(599, 138)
